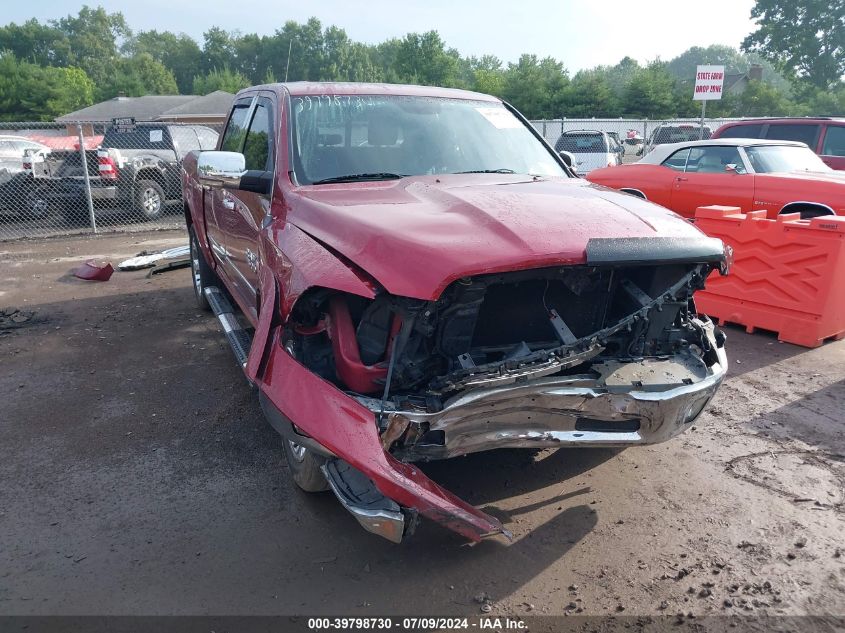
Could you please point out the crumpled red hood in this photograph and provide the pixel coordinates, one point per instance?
(417, 235)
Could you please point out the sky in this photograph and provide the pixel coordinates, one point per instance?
(580, 33)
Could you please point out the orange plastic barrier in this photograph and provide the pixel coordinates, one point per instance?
(788, 274)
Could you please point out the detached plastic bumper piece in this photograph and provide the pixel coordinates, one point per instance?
(94, 271)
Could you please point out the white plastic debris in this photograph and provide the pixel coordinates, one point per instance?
(151, 259)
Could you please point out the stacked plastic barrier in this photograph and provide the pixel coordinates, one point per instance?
(788, 274)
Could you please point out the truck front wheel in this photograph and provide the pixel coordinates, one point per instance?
(149, 199)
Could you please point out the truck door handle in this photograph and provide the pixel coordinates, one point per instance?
(679, 179)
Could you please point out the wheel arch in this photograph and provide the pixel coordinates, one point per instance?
(634, 192)
(811, 209)
(150, 173)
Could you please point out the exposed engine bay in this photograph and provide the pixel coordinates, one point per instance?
(526, 358)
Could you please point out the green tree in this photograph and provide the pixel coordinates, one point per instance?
(805, 38)
(591, 94)
(218, 50)
(91, 41)
(31, 92)
(67, 89)
(138, 76)
(346, 60)
(763, 99)
(537, 88)
(224, 79)
(482, 74)
(620, 74)
(35, 43)
(650, 93)
(823, 102)
(424, 59)
(178, 53)
(488, 81)
(247, 61)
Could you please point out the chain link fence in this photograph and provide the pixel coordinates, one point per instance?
(624, 140)
(94, 177)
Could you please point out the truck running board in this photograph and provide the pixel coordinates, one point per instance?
(238, 337)
(375, 512)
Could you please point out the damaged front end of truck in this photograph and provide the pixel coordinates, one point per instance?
(607, 352)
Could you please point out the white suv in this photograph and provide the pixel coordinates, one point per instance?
(591, 149)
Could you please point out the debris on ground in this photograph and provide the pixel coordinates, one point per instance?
(94, 271)
(146, 259)
(11, 318)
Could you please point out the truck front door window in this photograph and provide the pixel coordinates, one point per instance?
(233, 138)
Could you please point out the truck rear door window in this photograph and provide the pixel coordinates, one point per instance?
(834, 141)
(800, 132)
(742, 131)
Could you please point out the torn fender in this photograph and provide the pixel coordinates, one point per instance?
(348, 430)
(301, 262)
(266, 314)
(293, 262)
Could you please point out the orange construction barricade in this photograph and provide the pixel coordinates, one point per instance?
(788, 274)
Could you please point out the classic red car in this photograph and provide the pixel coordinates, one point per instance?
(419, 276)
(776, 176)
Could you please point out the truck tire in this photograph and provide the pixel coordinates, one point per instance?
(305, 467)
(202, 275)
(149, 199)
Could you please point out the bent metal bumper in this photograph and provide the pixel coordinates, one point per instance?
(632, 403)
(560, 411)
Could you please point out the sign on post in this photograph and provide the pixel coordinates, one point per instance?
(708, 83)
(708, 87)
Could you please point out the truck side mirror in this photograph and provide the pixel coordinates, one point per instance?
(567, 158)
(221, 169)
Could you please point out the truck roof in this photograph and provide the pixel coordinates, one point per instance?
(317, 88)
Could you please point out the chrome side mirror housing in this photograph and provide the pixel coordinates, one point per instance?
(221, 169)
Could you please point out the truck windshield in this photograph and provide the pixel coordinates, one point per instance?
(338, 138)
(768, 159)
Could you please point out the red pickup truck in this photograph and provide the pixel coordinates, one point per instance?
(409, 273)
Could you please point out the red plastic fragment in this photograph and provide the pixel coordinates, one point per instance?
(94, 271)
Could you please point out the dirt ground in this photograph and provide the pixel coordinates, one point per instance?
(138, 477)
